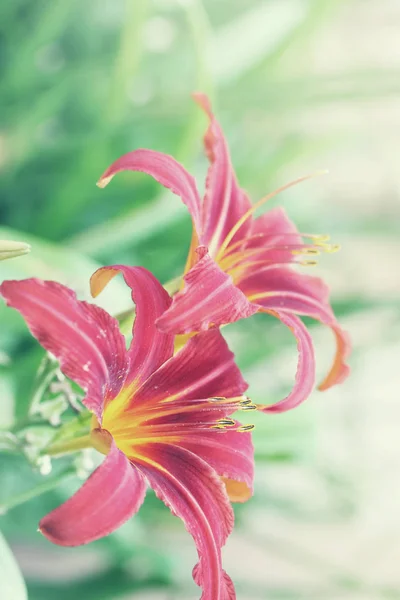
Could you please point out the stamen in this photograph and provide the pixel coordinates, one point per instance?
(241, 259)
(319, 237)
(223, 424)
(308, 263)
(255, 206)
(248, 407)
(329, 248)
(306, 251)
(246, 401)
(245, 428)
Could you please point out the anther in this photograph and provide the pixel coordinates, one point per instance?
(320, 238)
(243, 428)
(225, 422)
(308, 263)
(246, 401)
(329, 248)
(218, 399)
(305, 251)
(249, 407)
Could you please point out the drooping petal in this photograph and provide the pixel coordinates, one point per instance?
(83, 337)
(282, 288)
(209, 298)
(224, 201)
(150, 347)
(112, 494)
(305, 375)
(231, 454)
(203, 368)
(164, 169)
(339, 370)
(194, 493)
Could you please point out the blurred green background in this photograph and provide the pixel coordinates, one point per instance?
(298, 85)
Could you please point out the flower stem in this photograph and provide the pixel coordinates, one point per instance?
(38, 490)
(78, 443)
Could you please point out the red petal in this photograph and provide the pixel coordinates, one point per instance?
(194, 493)
(112, 494)
(276, 224)
(203, 368)
(150, 347)
(83, 337)
(224, 201)
(305, 376)
(281, 288)
(231, 454)
(166, 170)
(209, 298)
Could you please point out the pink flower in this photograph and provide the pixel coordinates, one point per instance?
(239, 265)
(161, 420)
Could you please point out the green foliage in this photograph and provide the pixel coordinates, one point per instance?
(12, 585)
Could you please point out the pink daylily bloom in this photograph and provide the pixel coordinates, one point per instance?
(239, 265)
(162, 420)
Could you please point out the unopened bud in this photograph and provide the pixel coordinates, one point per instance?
(10, 249)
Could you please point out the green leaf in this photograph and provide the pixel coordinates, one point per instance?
(12, 585)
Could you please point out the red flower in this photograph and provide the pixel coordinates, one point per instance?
(162, 420)
(238, 264)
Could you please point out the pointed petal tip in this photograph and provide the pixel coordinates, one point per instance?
(100, 279)
(203, 101)
(340, 369)
(330, 382)
(104, 181)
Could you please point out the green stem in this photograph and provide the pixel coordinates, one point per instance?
(78, 443)
(40, 489)
(44, 380)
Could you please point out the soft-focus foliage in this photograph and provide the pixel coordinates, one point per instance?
(298, 85)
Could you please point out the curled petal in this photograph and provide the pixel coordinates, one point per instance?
(209, 298)
(339, 370)
(194, 493)
(203, 368)
(281, 288)
(112, 494)
(83, 337)
(305, 375)
(150, 347)
(224, 201)
(164, 169)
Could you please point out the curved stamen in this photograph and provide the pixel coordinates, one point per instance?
(255, 206)
(239, 258)
(316, 239)
(243, 428)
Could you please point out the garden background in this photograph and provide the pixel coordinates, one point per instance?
(298, 85)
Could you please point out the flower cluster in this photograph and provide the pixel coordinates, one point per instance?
(163, 408)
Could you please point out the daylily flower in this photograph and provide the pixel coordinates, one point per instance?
(239, 265)
(160, 419)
